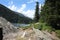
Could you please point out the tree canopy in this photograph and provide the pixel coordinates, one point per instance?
(50, 13)
(36, 19)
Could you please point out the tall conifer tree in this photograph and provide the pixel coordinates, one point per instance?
(36, 19)
(50, 13)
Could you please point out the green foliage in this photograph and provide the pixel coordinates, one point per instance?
(58, 33)
(26, 27)
(37, 26)
(37, 16)
(46, 27)
(50, 13)
(43, 26)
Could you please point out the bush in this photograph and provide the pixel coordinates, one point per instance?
(43, 26)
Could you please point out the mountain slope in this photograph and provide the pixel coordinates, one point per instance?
(13, 17)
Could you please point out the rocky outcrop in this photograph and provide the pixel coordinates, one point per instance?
(6, 26)
(31, 34)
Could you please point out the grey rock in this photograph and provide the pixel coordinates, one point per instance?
(7, 26)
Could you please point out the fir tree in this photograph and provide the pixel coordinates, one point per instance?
(50, 13)
(36, 19)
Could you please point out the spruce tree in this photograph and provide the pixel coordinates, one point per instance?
(36, 18)
(50, 13)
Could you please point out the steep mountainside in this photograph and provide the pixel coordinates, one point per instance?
(13, 17)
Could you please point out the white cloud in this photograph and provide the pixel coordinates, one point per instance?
(36, 0)
(21, 9)
(29, 13)
(40, 6)
(12, 6)
(31, 1)
(11, 2)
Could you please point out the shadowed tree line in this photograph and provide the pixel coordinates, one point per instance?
(37, 16)
(12, 16)
(50, 13)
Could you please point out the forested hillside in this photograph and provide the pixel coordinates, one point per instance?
(50, 13)
(13, 17)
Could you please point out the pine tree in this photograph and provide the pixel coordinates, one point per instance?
(36, 19)
(50, 13)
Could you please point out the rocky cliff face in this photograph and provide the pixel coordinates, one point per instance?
(6, 26)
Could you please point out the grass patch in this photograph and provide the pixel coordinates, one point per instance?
(43, 26)
(26, 27)
(57, 33)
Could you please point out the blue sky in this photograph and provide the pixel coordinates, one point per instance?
(26, 7)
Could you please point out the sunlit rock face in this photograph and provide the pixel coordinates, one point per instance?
(6, 26)
(31, 34)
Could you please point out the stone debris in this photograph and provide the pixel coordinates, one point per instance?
(30, 34)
